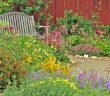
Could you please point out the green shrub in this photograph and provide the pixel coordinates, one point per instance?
(104, 45)
(45, 87)
(74, 39)
(71, 19)
(83, 86)
(105, 29)
(4, 7)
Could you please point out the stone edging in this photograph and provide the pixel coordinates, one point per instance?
(92, 57)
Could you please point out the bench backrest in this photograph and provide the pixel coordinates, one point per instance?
(21, 22)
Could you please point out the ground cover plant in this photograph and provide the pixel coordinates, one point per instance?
(89, 84)
(77, 30)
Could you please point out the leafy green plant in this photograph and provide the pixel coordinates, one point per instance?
(18, 5)
(104, 45)
(3, 24)
(105, 29)
(41, 7)
(82, 84)
(29, 10)
(83, 32)
(74, 39)
(71, 19)
(45, 87)
(4, 7)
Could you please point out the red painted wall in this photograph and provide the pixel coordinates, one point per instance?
(83, 7)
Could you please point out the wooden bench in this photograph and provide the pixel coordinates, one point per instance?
(22, 23)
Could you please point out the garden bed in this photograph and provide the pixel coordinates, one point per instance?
(32, 65)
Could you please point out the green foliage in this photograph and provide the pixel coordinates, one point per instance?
(61, 56)
(23, 2)
(4, 7)
(105, 29)
(45, 87)
(71, 19)
(57, 87)
(82, 31)
(19, 55)
(68, 20)
(4, 24)
(29, 10)
(74, 39)
(104, 45)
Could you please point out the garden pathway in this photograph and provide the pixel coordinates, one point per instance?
(99, 65)
(1, 94)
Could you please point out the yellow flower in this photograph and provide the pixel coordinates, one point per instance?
(66, 81)
(72, 85)
(65, 70)
(28, 44)
(58, 79)
(52, 65)
(50, 78)
(62, 81)
(29, 59)
(46, 53)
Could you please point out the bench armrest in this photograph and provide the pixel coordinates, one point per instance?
(42, 26)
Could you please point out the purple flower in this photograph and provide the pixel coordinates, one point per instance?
(108, 84)
(100, 83)
(82, 84)
(33, 75)
(94, 84)
(81, 76)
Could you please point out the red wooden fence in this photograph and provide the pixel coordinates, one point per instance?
(83, 7)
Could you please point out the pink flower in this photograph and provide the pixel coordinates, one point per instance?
(99, 32)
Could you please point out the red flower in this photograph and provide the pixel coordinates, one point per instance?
(0, 78)
(0, 62)
(99, 32)
(26, 72)
(8, 74)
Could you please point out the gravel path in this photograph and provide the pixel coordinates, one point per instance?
(99, 65)
(1, 94)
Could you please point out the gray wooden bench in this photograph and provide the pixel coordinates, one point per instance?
(21, 22)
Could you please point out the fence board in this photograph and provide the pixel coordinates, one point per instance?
(84, 7)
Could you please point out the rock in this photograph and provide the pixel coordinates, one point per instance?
(86, 56)
(78, 56)
(94, 57)
(73, 61)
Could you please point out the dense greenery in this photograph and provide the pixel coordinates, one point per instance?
(83, 84)
(46, 87)
(81, 37)
(21, 54)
